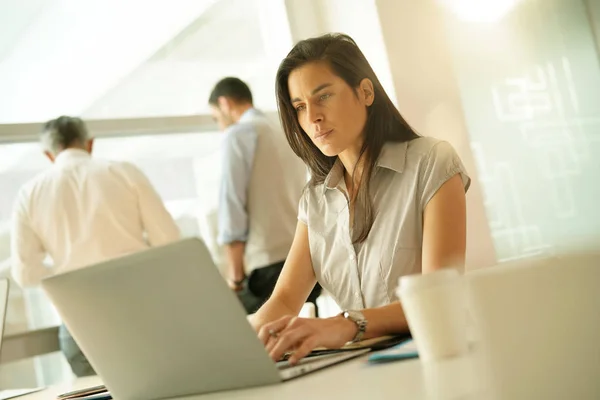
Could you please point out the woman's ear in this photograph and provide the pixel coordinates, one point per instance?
(367, 91)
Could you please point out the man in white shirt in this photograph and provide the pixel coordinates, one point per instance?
(80, 212)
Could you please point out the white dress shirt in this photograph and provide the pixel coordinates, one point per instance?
(83, 211)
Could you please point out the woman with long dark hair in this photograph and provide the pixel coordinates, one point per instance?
(382, 202)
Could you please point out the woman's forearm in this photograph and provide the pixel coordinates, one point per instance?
(272, 310)
(385, 320)
(381, 321)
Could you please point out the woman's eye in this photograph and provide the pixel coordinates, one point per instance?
(324, 96)
(300, 108)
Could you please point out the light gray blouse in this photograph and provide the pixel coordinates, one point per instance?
(406, 177)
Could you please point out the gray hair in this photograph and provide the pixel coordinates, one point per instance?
(64, 132)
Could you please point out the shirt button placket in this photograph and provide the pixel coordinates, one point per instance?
(356, 293)
(354, 261)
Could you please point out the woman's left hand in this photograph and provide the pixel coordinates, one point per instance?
(302, 335)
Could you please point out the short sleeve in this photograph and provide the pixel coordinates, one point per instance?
(440, 164)
(303, 207)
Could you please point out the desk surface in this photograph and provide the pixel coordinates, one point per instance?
(449, 379)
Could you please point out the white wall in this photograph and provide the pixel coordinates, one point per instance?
(357, 18)
(429, 98)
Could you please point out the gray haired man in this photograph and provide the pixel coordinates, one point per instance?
(82, 211)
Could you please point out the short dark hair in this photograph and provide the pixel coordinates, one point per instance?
(64, 132)
(384, 122)
(233, 88)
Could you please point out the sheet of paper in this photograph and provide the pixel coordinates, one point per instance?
(12, 393)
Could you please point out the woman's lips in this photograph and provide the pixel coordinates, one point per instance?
(323, 134)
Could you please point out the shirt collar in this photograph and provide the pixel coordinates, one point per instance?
(335, 175)
(249, 114)
(393, 157)
(70, 155)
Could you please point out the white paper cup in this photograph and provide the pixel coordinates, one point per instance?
(435, 307)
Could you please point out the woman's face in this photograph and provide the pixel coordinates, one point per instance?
(331, 113)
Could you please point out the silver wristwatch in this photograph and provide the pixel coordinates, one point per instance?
(359, 319)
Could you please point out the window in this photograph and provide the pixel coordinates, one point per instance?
(67, 57)
(184, 168)
(83, 58)
(530, 86)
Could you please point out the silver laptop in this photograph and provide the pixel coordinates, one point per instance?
(10, 393)
(163, 323)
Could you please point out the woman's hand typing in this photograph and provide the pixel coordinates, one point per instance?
(302, 335)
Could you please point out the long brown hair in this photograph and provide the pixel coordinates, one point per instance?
(384, 122)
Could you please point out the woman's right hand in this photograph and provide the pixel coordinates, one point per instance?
(300, 336)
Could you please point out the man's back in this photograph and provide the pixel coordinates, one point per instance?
(83, 211)
(261, 185)
(276, 183)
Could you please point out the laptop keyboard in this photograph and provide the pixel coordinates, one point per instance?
(286, 364)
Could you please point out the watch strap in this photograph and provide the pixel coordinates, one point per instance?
(360, 321)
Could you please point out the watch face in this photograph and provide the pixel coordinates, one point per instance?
(355, 315)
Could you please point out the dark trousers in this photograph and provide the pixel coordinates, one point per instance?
(260, 285)
(75, 357)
